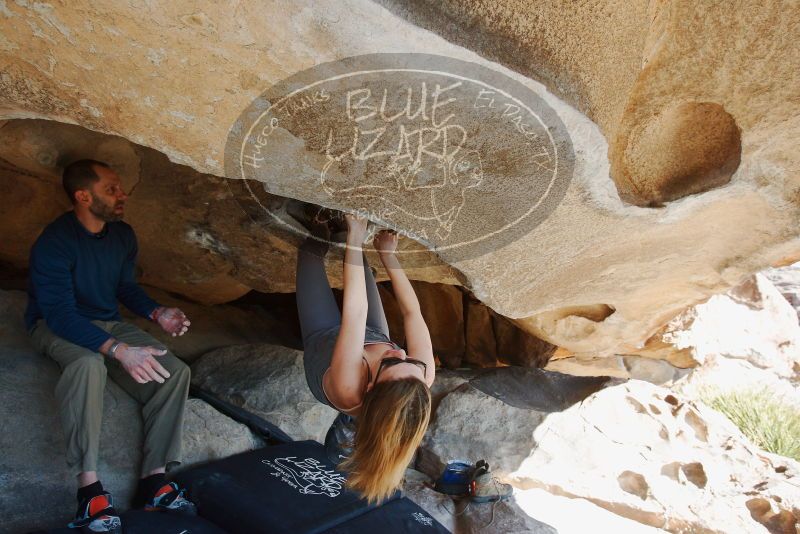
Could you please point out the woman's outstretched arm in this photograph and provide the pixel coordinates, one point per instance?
(345, 374)
(418, 338)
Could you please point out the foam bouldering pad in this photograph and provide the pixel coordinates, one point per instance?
(141, 522)
(290, 488)
(399, 515)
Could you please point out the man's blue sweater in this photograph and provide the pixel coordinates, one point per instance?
(77, 276)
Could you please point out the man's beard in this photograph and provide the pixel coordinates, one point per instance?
(103, 211)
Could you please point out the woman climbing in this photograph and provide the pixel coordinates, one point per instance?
(353, 366)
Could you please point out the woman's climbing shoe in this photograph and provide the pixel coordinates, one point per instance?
(97, 514)
(455, 478)
(339, 439)
(309, 216)
(486, 488)
(170, 498)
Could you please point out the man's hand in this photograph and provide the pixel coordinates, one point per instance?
(172, 320)
(385, 242)
(141, 364)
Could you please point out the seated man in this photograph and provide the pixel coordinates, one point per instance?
(80, 266)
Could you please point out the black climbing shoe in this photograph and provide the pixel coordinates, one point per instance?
(309, 216)
(97, 514)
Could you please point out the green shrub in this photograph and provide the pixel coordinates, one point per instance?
(767, 420)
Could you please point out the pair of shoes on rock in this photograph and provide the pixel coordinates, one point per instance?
(308, 217)
(463, 479)
(96, 514)
(323, 223)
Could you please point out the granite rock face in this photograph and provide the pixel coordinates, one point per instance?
(753, 328)
(461, 517)
(684, 182)
(269, 381)
(787, 280)
(494, 416)
(210, 435)
(651, 455)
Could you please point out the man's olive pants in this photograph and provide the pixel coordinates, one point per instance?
(79, 394)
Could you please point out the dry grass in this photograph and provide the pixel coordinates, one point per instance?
(767, 420)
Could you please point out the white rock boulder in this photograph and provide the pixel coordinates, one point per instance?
(643, 453)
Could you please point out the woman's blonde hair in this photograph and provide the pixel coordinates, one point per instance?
(394, 417)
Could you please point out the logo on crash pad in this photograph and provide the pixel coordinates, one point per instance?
(422, 519)
(459, 157)
(308, 476)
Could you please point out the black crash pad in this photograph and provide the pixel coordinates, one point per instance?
(290, 488)
(141, 522)
(399, 515)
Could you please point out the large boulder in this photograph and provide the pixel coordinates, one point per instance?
(573, 516)
(269, 381)
(752, 322)
(674, 125)
(210, 435)
(652, 370)
(37, 490)
(712, 156)
(494, 415)
(747, 337)
(787, 280)
(647, 454)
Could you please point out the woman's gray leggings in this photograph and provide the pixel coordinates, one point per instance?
(316, 304)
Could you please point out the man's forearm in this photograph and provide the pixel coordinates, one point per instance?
(403, 291)
(68, 324)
